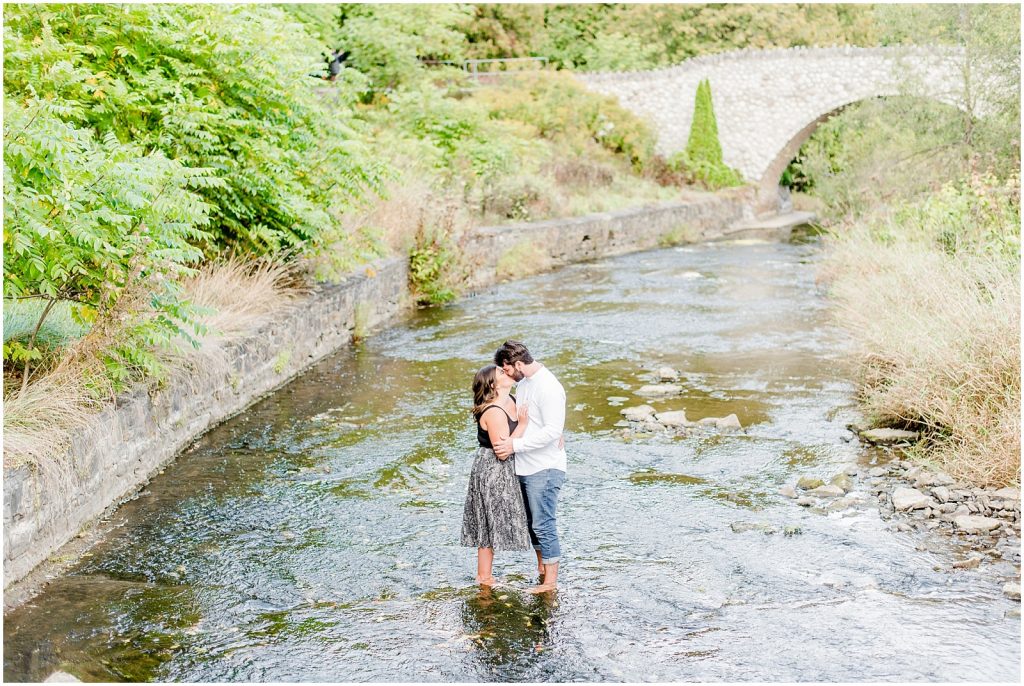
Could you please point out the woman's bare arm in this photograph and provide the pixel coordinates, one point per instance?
(494, 423)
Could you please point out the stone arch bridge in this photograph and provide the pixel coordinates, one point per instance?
(769, 102)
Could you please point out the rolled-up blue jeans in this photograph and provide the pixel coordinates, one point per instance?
(540, 495)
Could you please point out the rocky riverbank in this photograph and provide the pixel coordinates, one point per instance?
(986, 521)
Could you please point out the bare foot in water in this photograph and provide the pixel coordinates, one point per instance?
(487, 581)
(542, 588)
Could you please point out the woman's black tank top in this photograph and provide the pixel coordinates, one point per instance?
(482, 437)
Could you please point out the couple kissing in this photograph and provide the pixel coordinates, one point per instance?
(520, 464)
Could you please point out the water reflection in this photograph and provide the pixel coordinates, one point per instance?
(508, 629)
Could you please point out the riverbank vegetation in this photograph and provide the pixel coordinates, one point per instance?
(923, 205)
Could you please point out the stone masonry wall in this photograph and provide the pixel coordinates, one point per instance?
(129, 443)
(502, 252)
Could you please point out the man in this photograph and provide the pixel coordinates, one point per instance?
(540, 454)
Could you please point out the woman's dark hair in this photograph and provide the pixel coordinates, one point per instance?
(511, 352)
(484, 388)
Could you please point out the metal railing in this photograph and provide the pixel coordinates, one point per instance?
(473, 67)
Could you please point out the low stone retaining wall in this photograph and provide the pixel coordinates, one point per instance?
(129, 443)
(503, 252)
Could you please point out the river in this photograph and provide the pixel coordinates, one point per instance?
(315, 536)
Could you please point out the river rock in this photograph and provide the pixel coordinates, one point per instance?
(806, 483)
(942, 479)
(876, 471)
(843, 481)
(1012, 590)
(805, 501)
(661, 389)
(941, 494)
(909, 499)
(617, 399)
(637, 414)
(972, 524)
(792, 530)
(742, 527)
(888, 436)
(667, 374)
(732, 422)
(674, 418)
(61, 678)
(1008, 494)
(969, 563)
(827, 491)
(787, 491)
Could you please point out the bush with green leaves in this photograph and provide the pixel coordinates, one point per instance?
(431, 265)
(223, 87)
(389, 43)
(88, 218)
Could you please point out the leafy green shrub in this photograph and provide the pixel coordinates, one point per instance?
(431, 263)
(388, 42)
(558, 108)
(222, 87)
(980, 215)
(86, 220)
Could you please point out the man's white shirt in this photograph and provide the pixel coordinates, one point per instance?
(537, 448)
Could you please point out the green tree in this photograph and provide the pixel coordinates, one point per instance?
(703, 155)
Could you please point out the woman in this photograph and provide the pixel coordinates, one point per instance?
(495, 517)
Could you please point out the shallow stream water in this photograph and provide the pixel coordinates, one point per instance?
(315, 537)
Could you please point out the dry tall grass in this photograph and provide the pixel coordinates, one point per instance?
(238, 297)
(939, 343)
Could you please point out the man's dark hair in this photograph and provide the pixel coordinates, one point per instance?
(511, 352)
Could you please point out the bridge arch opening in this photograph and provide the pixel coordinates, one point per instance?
(768, 186)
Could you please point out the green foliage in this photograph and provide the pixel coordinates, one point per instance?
(211, 86)
(85, 220)
(558, 108)
(979, 215)
(431, 263)
(702, 159)
(703, 145)
(642, 36)
(388, 42)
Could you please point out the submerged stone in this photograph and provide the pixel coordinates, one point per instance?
(888, 436)
(661, 389)
(806, 483)
(843, 481)
(638, 413)
(787, 491)
(742, 527)
(827, 491)
(653, 477)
